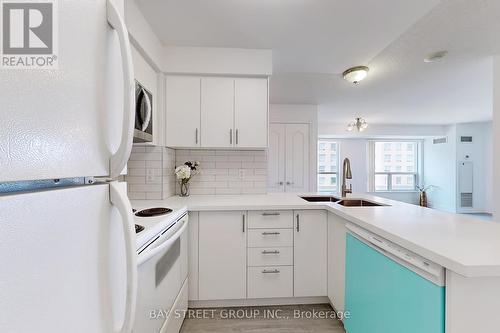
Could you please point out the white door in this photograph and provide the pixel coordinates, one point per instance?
(183, 111)
(336, 261)
(276, 156)
(297, 158)
(310, 253)
(217, 112)
(63, 261)
(222, 255)
(251, 113)
(67, 122)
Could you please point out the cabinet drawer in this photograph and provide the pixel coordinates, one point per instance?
(267, 282)
(270, 256)
(270, 219)
(270, 237)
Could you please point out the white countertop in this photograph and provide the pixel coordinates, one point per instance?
(461, 244)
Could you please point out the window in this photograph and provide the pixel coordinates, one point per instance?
(395, 169)
(328, 157)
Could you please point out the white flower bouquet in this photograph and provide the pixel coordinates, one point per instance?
(184, 173)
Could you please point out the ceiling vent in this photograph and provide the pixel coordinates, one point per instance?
(466, 139)
(440, 141)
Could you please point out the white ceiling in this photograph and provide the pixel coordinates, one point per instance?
(313, 41)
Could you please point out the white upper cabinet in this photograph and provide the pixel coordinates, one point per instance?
(276, 163)
(310, 253)
(288, 166)
(251, 112)
(297, 158)
(217, 112)
(183, 111)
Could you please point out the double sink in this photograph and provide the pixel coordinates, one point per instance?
(343, 202)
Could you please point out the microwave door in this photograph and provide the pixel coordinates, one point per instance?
(143, 131)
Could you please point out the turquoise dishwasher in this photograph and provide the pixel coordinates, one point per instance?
(389, 289)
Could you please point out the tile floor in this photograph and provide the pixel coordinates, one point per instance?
(289, 319)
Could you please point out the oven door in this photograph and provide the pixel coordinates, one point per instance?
(143, 131)
(159, 279)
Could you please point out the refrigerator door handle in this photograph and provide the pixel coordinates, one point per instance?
(119, 159)
(121, 202)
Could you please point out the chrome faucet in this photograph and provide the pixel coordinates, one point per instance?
(346, 174)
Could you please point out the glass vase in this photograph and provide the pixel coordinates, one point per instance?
(184, 189)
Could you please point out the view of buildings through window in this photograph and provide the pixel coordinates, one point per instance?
(328, 168)
(396, 166)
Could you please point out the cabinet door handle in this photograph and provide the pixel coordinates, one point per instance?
(271, 214)
(271, 252)
(231, 136)
(280, 183)
(266, 233)
(237, 136)
(298, 223)
(243, 222)
(196, 136)
(268, 271)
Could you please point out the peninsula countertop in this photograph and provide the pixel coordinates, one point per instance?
(462, 244)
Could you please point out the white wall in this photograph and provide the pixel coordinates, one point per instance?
(380, 130)
(300, 113)
(441, 164)
(218, 61)
(440, 171)
(142, 35)
(496, 138)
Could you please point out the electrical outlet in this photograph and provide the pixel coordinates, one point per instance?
(150, 175)
(241, 174)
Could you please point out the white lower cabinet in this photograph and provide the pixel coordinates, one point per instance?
(270, 281)
(258, 254)
(336, 261)
(270, 256)
(222, 255)
(310, 253)
(193, 256)
(270, 237)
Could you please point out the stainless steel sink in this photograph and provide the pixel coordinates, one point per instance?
(358, 203)
(321, 199)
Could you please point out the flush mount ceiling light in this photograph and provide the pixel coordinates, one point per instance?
(360, 124)
(436, 56)
(356, 74)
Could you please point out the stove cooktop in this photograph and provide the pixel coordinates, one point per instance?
(138, 228)
(152, 212)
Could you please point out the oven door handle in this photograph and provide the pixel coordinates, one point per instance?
(165, 246)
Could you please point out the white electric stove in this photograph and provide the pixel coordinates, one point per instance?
(162, 267)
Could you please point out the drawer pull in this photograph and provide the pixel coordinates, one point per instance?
(271, 214)
(271, 252)
(266, 233)
(267, 271)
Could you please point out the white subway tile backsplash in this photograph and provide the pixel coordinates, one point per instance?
(151, 172)
(226, 171)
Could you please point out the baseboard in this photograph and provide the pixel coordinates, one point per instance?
(259, 302)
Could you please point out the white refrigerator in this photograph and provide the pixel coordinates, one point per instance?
(67, 238)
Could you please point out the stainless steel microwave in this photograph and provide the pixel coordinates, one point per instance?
(143, 131)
